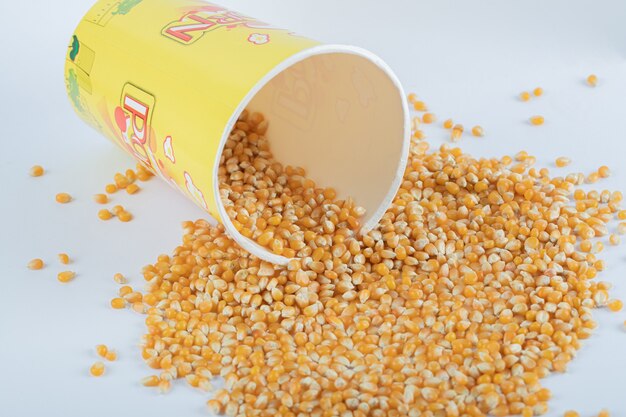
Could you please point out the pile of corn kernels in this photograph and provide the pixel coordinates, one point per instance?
(477, 283)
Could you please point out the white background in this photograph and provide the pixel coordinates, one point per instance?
(467, 60)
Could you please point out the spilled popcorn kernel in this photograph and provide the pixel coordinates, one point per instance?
(64, 258)
(448, 123)
(592, 80)
(478, 131)
(104, 214)
(132, 188)
(120, 279)
(101, 198)
(97, 369)
(538, 92)
(35, 264)
(118, 303)
(36, 171)
(110, 188)
(102, 350)
(562, 161)
(66, 276)
(63, 198)
(428, 118)
(524, 96)
(536, 120)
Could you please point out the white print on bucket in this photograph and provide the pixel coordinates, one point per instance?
(168, 149)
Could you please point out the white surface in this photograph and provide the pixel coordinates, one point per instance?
(468, 60)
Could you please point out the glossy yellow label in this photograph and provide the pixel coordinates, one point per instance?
(162, 79)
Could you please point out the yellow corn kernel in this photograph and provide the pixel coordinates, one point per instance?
(104, 214)
(97, 369)
(448, 123)
(130, 175)
(35, 264)
(604, 413)
(36, 171)
(604, 171)
(110, 188)
(117, 209)
(456, 133)
(63, 198)
(621, 228)
(64, 258)
(621, 214)
(592, 178)
(419, 106)
(118, 303)
(150, 381)
(412, 97)
(615, 305)
(614, 239)
(125, 216)
(419, 134)
(120, 279)
(524, 96)
(132, 188)
(536, 120)
(102, 350)
(538, 92)
(66, 276)
(571, 413)
(478, 131)
(110, 356)
(120, 181)
(101, 198)
(592, 80)
(562, 161)
(428, 118)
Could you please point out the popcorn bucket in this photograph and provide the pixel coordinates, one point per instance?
(167, 79)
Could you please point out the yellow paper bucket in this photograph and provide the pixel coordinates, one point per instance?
(167, 79)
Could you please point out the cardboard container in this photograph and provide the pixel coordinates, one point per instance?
(167, 79)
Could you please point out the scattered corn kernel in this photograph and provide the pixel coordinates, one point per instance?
(132, 188)
(102, 350)
(120, 279)
(66, 276)
(592, 178)
(615, 305)
(111, 356)
(64, 258)
(562, 162)
(604, 413)
(101, 198)
(614, 240)
(537, 120)
(621, 228)
(448, 123)
(63, 198)
(478, 131)
(150, 381)
(456, 133)
(36, 171)
(419, 106)
(419, 134)
(124, 216)
(592, 80)
(537, 92)
(120, 181)
(110, 188)
(35, 264)
(117, 209)
(428, 118)
(118, 303)
(604, 171)
(104, 214)
(97, 369)
(571, 413)
(524, 96)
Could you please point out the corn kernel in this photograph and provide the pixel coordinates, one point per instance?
(101, 198)
(111, 356)
(524, 96)
(419, 106)
(132, 188)
(536, 120)
(562, 162)
(36, 171)
(478, 131)
(104, 214)
(64, 258)
(102, 350)
(428, 118)
(124, 216)
(97, 369)
(110, 188)
(118, 303)
(35, 264)
(120, 279)
(448, 123)
(63, 198)
(604, 171)
(615, 305)
(537, 92)
(66, 276)
(592, 80)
